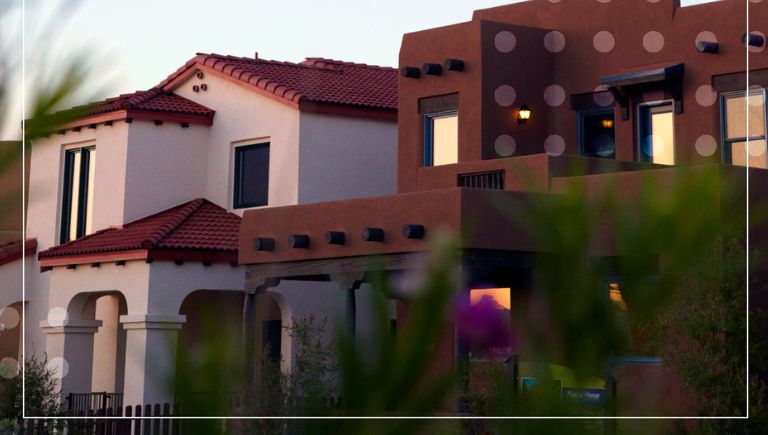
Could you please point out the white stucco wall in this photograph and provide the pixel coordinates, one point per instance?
(245, 117)
(45, 179)
(165, 166)
(344, 157)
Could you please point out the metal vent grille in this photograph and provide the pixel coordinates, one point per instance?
(483, 180)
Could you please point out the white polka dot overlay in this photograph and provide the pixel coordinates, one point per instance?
(505, 95)
(706, 145)
(9, 318)
(554, 145)
(653, 42)
(505, 41)
(554, 41)
(58, 316)
(505, 145)
(604, 41)
(706, 95)
(554, 95)
(59, 366)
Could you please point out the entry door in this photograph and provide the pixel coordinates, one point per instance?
(271, 338)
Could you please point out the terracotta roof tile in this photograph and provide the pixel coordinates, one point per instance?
(316, 79)
(15, 250)
(197, 225)
(153, 100)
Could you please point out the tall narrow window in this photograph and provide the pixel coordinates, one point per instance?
(441, 129)
(77, 194)
(657, 133)
(251, 187)
(596, 131)
(742, 146)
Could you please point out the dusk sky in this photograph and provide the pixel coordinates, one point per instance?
(133, 45)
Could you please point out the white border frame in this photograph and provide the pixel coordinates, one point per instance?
(227, 418)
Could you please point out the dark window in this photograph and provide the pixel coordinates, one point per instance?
(251, 175)
(597, 133)
(657, 133)
(742, 147)
(272, 331)
(77, 193)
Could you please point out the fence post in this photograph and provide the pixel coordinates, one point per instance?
(137, 422)
(166, 423)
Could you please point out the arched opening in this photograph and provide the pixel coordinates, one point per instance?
(109, 344)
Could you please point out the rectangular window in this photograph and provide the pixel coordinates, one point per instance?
(77, 193)
(657, 133)
(737, 109)
(597, 133)
(251, 188)
(441, 129)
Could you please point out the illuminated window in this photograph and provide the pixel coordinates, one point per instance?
(657, 133)
(614, 293)
(441, 129)
(491, 323)
(742, 146)
(77, 193)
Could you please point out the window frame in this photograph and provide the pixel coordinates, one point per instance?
(580, 128)
(643, 116)
(237, 202)
(84, 182)
(725, 142)
(429, 137)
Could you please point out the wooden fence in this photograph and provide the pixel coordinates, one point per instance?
(110, 421)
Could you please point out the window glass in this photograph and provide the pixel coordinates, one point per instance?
(745, 145)
(490, 323)
(445, 139)
(251, 175)
(657, 134)
(736, 109)
(77, 194)
(597, 134)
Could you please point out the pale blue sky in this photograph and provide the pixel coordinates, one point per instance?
(142, 41)
(134, 44)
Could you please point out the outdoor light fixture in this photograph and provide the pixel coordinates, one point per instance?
(299, 241)
(335, 237)
(523, 114)
(607, 123)
(373, 235)
(413, 231)
(264, 244)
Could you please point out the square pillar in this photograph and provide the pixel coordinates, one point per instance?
(150, 357)
(70, 352)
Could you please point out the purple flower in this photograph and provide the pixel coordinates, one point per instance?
(484, 326)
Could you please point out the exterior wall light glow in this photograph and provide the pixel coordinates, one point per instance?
(523, 114)
(607, 123)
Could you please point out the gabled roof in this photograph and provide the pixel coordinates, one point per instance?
(316, 80)
(15, 250)
(153, 100)
(197, 227)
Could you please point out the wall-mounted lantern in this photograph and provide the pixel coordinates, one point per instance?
(523, 114)
(607, 123)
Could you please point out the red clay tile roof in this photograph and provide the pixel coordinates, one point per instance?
(316, 80)
(153, 100)
(15, 250)
(198, 225)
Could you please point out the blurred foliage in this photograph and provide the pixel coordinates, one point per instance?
(40, 388)
(705, 337)
(51, 87)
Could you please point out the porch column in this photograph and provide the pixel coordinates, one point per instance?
(253, 316)
(69, 350)
(349, 282)
(150, 357)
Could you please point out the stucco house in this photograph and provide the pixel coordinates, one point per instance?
(135, 208)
